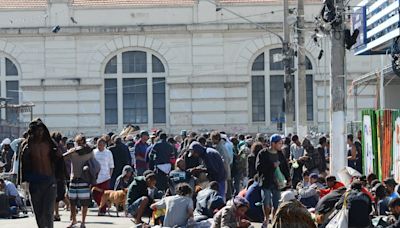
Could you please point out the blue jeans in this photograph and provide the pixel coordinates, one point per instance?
(134, 207)
(271, 197)
(222, 187)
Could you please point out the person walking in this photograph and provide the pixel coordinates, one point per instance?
(79, 188)
(40, 167)
(106, 161)
(267, 166)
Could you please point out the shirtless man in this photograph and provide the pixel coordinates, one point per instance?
(39, 158)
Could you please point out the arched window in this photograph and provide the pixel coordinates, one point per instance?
(9, 86)
(269, 73)
(138, 79)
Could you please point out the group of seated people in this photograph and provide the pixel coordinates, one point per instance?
(10, 199)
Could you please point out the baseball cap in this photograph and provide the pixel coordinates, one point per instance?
(148, 174)
(390, 181)
(194, 146)
(287, 196)
(314, 175)
(142, 133)
(275, 138)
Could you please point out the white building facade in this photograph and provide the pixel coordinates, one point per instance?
(170, 64)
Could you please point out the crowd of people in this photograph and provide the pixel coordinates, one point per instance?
(192, 180)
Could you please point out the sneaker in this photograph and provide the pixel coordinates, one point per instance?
(101, 214)
(57, 218)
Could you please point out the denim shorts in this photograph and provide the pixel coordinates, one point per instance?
(135, 206)
(271, 197)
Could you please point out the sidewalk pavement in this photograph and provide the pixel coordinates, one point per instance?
(92, 221)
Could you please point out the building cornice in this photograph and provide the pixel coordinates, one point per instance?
(140, 29)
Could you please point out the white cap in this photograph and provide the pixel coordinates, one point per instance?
(6, 141)
(287, 196)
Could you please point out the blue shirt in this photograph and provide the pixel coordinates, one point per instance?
(253, 195)
(394, 195)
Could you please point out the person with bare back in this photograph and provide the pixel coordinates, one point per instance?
(79, 187)
(39, 167)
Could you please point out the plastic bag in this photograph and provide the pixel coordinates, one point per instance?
(280, 178)
(341, 219)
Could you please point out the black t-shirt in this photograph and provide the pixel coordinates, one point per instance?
(327, 203)
(265, 165)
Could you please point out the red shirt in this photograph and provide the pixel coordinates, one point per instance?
(324, 192)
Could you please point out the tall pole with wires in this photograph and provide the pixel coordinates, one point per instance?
(338, 153)
(287, 61)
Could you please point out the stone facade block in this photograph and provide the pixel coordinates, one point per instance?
(179, 93)
(89, 121)
(208, 93)
(62, 108)
(179, 119)
(236, 105)
(236, 118)
(209, 118)
(180, 106)
(118, 43)
(209, 105)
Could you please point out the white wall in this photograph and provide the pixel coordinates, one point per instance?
(208, 64)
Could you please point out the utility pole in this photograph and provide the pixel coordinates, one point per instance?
(287, 59)
(338, 153)
(301, 90)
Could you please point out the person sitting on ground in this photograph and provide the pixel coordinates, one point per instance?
(309, 195)
(179, 207)
(232, 214)
(208, 201)
(180, 175)
(291, 213)
(305, 182)
(244, 191)
(359, 205)
(390, 185)
(125, 179)
(394, 206)
(371, 177)
(381, 200)
(253, 195)
(326, 205)
(141, 194)
(11, 191)
(332, 184)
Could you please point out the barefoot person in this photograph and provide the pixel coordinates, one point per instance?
(39, 166)
(79, 189)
